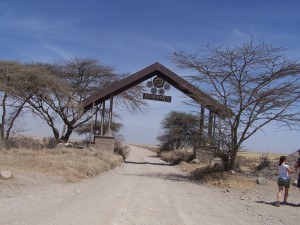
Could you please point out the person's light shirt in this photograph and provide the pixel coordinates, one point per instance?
(283, 171)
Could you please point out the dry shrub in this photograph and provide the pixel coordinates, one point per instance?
(222, 179)
(201, 173)
(167, 156)
(175, 157)
(265, 162)
(72, 164)
(188, 167)
(23, 142)
(121, 149)
(225, 180)
(49, 142)
(257, 162)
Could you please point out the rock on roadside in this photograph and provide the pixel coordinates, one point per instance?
(5, 174)
(261, 180)
(195, 161)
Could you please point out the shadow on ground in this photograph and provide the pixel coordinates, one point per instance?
(168, 176)
(274, 203)
(157, 164)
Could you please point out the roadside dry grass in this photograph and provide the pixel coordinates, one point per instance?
(203, 173)
(246, 165)
(256, 155)
(71, 164)
(252, 157)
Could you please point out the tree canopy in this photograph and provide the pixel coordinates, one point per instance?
(179, 129)
(52, 92)
(257, 81)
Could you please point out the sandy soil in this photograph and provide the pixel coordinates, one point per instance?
(144, 191)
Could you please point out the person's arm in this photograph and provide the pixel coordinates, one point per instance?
(290, 171)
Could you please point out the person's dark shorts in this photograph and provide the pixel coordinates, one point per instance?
(298, 182)
(283, 182)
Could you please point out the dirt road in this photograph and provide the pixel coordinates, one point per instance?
(144, 191)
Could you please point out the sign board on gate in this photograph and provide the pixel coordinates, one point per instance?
(154, 97)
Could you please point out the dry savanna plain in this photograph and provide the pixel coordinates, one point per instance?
(67, 186)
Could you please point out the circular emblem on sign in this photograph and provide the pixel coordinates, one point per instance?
(153, 90)
(158, 82)
(167, 86)
(149, 84)
(161, 91)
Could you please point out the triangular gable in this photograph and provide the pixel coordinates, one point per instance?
(169, 76)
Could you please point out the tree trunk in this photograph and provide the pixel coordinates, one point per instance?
(66, 137)
(3, 119)
(232, 158)
(234, 148)
(55, 133)
(1, 131)
(64, 130)
(225, 158)
(194, 156)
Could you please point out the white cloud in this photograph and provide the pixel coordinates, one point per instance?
(241, 35)
(59, 51)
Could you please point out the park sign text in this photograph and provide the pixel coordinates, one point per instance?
(154, 97)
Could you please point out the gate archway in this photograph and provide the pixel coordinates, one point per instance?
(156, 69)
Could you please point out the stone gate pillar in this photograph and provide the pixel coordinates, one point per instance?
(104, 143)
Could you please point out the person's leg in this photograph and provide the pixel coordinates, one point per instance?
(286, 185)
(286, 194)
(280, 189)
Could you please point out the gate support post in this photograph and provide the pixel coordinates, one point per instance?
(102, 118)
(109, 132)
(210, 127)
(92, 123)
(201, 125)
(104, 143)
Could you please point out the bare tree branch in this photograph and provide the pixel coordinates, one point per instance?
(257, 82)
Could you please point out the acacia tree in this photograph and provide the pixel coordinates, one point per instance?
(179, 130)
(71, 82)
(12, 86)
(257, 82)
(57, 102)
(44, 88)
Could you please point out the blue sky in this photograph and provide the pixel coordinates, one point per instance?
(132, 34)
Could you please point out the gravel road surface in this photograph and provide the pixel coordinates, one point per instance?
(143, 191)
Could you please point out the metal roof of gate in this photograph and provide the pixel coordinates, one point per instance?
(157, 69)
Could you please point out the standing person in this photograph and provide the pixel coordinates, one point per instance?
(296, 166)
(283, 180)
